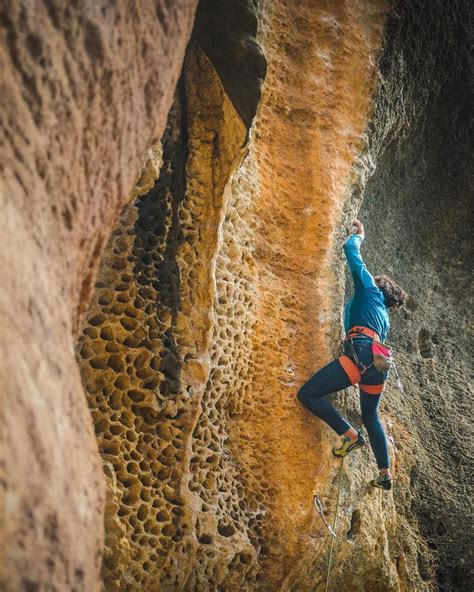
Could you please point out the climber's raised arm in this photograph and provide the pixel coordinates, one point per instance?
(362, 277)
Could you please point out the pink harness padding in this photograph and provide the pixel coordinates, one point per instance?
(380, 348)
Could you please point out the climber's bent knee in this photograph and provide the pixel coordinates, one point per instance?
(305, 394)
(301, 394)
(329, 379)
(369, 418)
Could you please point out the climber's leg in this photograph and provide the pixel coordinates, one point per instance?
(328, 380)
(369, 405)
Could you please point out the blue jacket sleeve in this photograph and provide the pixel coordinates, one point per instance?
(347, 316)
(362, 277)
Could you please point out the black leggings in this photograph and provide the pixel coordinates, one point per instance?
(332, 378)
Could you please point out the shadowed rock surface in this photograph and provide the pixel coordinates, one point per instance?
(227, 33)
(220, 291)
(418, 207)
(86, 89)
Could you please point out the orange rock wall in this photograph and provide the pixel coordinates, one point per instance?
(219, 294)
(86, 88)
(308, 132)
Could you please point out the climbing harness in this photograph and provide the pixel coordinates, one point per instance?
(359, 330)
(352, 365)
(350, 368)
(383, 360)
(334, 525)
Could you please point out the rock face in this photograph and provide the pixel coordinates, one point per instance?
(217, 297)
(416, 179)
(145, 350)
(220, 292)
(86, 89)
(418, 209)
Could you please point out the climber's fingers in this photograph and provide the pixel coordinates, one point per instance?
(359, 227)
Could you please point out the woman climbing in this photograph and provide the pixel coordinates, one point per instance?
(366, 323)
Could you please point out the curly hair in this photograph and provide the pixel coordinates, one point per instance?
(394, 295)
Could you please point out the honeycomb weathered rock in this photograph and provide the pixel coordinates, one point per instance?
(143, 352)
(220, 291)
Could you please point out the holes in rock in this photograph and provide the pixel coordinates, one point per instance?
(355, 525)
(111, 347)
(116, 363)
(128, 323)
(168, 530)
(98, 363)
(136, 395)
(116, 430)
(135, 342)
(90, 332)
(226, 530)
(106, 333)
(425, 344)
(97, 320)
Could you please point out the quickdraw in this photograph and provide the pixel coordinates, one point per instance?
(391, 438)
(319, 507)
(334, 525)
(331, 528)
(398, 381)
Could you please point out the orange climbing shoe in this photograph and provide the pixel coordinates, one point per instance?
(349, 445)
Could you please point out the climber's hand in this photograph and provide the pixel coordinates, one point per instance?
(357, 227)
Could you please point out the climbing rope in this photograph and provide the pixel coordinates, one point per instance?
(334, 525)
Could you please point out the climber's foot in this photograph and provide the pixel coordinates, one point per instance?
(348, 445)
(382, 482)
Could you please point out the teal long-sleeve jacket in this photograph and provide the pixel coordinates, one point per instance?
(367, 307)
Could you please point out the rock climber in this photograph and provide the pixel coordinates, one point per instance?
(366, 323)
